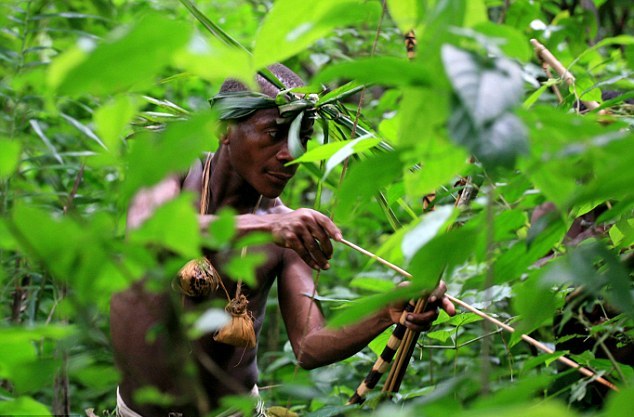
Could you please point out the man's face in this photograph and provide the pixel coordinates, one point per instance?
(258, 148)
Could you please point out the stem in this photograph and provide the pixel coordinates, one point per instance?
(490, 246)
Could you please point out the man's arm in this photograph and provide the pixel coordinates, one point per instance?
(313, 343)
(146, 201)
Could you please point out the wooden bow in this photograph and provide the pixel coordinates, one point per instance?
(394, 342)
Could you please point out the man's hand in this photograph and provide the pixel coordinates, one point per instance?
(307, 232)
(422, 321)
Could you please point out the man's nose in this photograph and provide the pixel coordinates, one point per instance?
(283, 153)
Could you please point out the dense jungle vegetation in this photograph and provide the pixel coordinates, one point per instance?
(102, 97)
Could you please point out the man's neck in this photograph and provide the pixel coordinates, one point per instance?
(230, 190)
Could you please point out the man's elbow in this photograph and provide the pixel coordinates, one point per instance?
(309, 361)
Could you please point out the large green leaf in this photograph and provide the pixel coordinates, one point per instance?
(357, 186)
(182, 237)
(215, 62)
(127, 59)
(444, 252)
(380, 70)
(153, 157)
(406, 13)
(487, 88)
(292, 26)
(497, 143)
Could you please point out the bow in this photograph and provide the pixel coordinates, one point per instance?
(382, 363)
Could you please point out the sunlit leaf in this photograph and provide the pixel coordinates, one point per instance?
(423, 232)
(211, 320)
(381, 70)
(352, 147)
(126, 59)
(406, 13)
(291, 26)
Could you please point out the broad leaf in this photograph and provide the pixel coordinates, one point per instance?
(292, 26)
(486, 87)
(126, 59)
(381, 70)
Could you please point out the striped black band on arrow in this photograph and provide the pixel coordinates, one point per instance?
(383, 362)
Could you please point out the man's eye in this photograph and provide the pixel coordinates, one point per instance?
(275, 134)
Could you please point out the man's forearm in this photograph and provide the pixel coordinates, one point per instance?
(325, 346)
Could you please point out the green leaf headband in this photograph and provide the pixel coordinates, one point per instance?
(239, 104)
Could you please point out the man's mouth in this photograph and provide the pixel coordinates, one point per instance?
(280, 177)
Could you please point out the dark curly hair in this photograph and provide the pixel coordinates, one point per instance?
(282, 72)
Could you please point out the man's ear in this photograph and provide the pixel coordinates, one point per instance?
(225, 130)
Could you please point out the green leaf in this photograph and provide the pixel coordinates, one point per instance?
(363, 307)
(618, 404)
(23, 406)
(440, 335)
(585, 89)
(112, 121)
(387, 71)
(295, 147)
(182, 237)
(126, 59)
(406, 13)
(428, 227)
(9, 157)
(223, 229)
(444, 252)
(535, 303)
(378, 343)
(340, 93)
(497, 143)
(513, 42)
(211, 320)
(153, 157)
(292, 26)
(352, 147)
(215, 62)
(356, 187)
(321, 153)
(371, 284)
(244, 267)
(475, 13)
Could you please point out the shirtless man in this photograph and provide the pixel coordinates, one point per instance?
(250, 162)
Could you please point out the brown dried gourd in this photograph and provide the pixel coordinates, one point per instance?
(239, 331)
(198, 278)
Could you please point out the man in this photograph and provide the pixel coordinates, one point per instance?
(249, 170)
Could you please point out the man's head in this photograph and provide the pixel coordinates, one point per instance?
(282, 72)
(257, 144)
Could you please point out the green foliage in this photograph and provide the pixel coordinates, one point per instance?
(101, 99)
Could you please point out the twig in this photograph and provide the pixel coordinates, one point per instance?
(536, 343)
(526, 338)
(547, 57)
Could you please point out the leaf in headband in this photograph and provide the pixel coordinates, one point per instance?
(294, 107)
(239, 104)
(295, 146)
